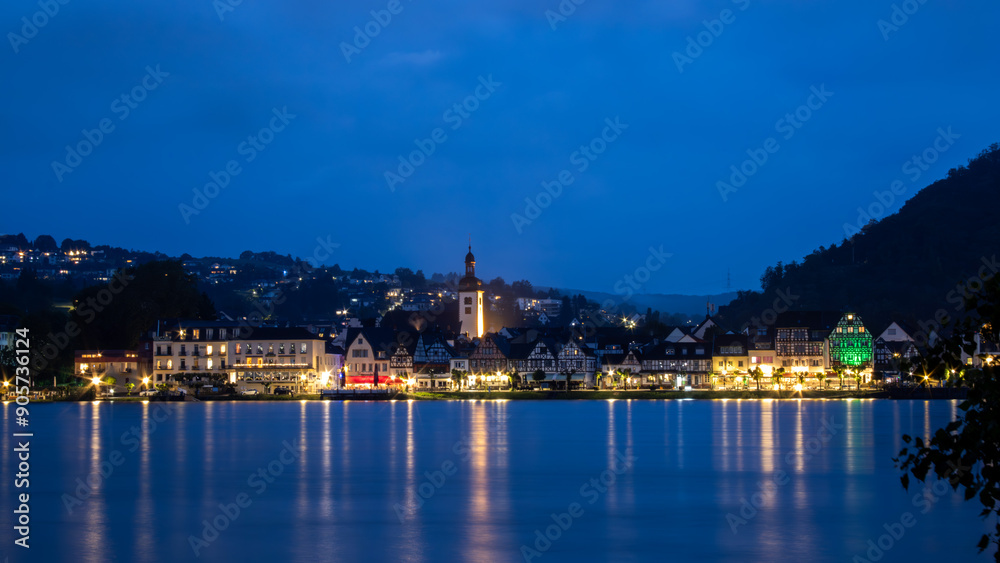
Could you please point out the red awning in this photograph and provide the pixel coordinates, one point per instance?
(370, 380)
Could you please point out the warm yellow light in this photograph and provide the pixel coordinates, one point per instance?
(145, 381)
(777, 387)
(6, 383)
(798, 387)
(96, 381)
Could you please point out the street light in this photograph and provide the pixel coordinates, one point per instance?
(96, 381)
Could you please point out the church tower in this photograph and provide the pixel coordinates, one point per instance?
(470, 299)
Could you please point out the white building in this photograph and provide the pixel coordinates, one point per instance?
(470, 300)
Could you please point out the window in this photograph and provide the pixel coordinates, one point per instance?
(222, 349)
(468, 310)
(720, 363)
(239, 348)
(468, 301)
(892, 331)
(211, 333)
(270, 348)
(281, 348)
(182, 365)
(222, 334)
(209, 364)
(739, 363)
(158, 351)
(208, 350)
(159, 364)
(194, 334)
(302, 349)
(260, 348)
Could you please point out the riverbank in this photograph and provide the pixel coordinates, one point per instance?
(896, 394)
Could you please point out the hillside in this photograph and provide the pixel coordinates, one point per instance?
(692, 305)
(908, 267)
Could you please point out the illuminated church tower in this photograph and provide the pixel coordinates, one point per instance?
(470, 299)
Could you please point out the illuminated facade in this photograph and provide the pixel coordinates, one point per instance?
(851, 345)
(470, 300)
(249, 357)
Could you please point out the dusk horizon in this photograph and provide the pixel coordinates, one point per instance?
(554, 84)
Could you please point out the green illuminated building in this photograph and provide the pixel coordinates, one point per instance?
(851, 345)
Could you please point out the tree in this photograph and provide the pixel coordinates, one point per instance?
(822, 379)
(569, 376)
(756, 373)
(515, 378)
(538, 376)
(966, 452)
(45, 243)
(779, 373)
(458, 376)
(128, 387)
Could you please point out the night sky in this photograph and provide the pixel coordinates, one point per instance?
(543, 93)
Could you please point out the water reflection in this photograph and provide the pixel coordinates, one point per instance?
(767, 436)
(337, 501)
(144, 521)
(94, 521)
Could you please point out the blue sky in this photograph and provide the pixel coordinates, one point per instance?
(323, 175)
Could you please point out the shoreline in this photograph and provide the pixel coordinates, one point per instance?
(915, 394)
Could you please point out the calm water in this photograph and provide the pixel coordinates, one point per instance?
(492, 473)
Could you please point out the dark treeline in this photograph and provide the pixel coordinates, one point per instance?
(906, 267)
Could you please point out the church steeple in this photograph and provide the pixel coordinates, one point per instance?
(470, 263)
(470, 296)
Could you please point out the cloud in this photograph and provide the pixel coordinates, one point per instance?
(425, 58)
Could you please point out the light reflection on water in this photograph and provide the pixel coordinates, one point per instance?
(524, 461)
